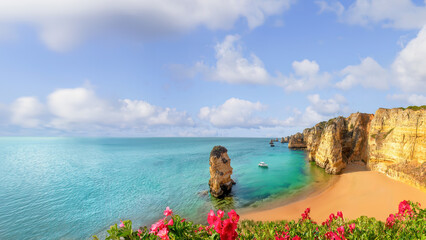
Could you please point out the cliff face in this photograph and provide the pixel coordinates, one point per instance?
(341, 140)
(397, 144)
(220, 172)
(392, 141)
(296, 141)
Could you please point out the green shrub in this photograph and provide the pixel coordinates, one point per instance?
(415, 108)
(408, 223)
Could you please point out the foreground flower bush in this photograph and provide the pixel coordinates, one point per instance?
(408, 223)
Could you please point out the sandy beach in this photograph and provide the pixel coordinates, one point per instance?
(356, 192)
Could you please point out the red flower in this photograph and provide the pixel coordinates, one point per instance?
(390, 221)
(233, 216)
(211, 217)
(352, 227)
(340, 214)
(296, 238)
(332, 216)
(332, 235)
(341, 230)
(405, 208)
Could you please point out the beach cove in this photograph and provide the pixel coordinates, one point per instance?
(356, 192)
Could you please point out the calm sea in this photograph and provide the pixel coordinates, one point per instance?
(72, 188)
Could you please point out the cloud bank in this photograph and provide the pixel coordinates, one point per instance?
(81, 109)
(63, 24)
(398, 14)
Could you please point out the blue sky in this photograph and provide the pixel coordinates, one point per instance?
(204, 68)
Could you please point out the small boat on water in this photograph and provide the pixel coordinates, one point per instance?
(262, 164)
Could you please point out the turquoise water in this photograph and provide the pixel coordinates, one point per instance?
(72, 188)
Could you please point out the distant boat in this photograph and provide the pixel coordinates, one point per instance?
(262, 164)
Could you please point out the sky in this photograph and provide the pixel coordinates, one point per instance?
(210, 68)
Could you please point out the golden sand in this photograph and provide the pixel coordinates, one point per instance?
(356, 192)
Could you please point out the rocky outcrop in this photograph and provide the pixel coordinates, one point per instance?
(296, 141)
(341, 140)
(220, 172)
(285, 139)
(397, 144)
(393, 141)
(329, 153)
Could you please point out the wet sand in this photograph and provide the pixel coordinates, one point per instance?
(356, 192)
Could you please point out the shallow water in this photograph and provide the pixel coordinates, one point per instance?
(72, 188)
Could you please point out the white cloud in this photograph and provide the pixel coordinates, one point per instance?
(399, 14)
(239, 113)
(410, 64)
(26, 112)
(306, 76)
(80, 106)
(323, 109)
(232, 67)
(80, 109)
(410, 99)
(333, 6)
(62, 24)
(368, 74)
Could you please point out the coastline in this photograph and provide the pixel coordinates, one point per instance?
(356, 192)
(321, 182)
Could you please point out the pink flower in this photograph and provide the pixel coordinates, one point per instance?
(163, 233)
(168, 212)
(340, 214)
(220, 213)
(122, 224)
(156, 226)
(352, 227)
(390, 221)
(405, 208)
(331, 217)
(296, 238)
(170, 222)
(332, 235)
(341, 230)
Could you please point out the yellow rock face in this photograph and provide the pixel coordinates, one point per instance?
(296, 141)
(220, 172)
(397, 144)
(398, 136)
(341, 140)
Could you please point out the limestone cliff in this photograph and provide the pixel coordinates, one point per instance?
(297, 141)
(397, 144)
(220, 172)
(392, 141)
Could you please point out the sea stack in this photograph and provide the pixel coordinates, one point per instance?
(220, 172)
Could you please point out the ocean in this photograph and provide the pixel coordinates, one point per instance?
(73, 188)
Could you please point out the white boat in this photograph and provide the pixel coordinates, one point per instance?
(262, 164)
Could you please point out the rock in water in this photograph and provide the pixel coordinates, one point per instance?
(220, 172)
(297, 141)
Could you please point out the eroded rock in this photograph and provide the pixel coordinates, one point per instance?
(220, 172)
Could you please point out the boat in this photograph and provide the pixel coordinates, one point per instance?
(262, 164)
